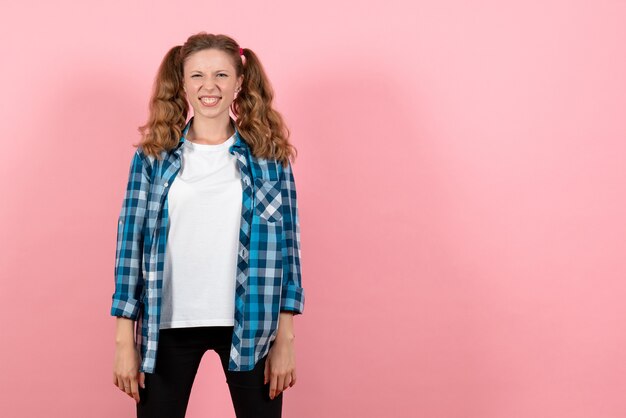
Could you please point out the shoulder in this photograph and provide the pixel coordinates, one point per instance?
(147, 160)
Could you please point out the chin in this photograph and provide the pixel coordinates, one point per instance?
(210, 113)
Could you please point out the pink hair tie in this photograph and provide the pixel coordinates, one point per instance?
(240, 51)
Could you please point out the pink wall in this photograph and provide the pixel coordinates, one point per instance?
(461, 176)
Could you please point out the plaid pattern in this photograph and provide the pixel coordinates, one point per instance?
(268, 267)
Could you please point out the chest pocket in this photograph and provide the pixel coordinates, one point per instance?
(267, 199)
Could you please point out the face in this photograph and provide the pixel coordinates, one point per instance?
(210, 83)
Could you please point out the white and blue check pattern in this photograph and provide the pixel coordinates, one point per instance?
(268, 265)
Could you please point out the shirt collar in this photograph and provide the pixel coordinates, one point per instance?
(239, 142)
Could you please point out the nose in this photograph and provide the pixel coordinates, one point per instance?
(209, 86)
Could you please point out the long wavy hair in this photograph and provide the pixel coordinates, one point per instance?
(260, 126)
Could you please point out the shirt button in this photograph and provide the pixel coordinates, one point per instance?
(166, 183)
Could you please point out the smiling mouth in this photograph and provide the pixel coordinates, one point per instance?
(210, 100)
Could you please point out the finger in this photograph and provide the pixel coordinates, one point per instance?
(128, 387)
(119, 383)
(134, 390)
(273, 385)
(142, 380)
(280, 384)
(287, 381)
(266, 372)
(293, 378)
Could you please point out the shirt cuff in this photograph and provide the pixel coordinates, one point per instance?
(292, 299)
(128, 308)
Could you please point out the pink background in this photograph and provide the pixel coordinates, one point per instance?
(461, 178)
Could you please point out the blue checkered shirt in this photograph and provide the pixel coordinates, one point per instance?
(268, 264)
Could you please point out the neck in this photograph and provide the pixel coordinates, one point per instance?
(210, 131)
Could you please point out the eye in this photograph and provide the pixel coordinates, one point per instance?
(195, 75)
(226, 75)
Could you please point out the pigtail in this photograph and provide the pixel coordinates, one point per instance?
(257, 120)
(168, 106)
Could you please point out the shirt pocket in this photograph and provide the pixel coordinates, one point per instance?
(267, 199)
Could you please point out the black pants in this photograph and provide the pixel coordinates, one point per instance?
(179, 353)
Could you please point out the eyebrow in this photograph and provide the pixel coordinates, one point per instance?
(216, 71)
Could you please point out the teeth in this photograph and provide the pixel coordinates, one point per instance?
(209, 99)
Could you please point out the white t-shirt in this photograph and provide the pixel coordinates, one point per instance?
(204, 204)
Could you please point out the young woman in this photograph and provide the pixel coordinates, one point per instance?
(208, 239)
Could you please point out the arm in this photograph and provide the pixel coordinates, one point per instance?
(129, 279)
(292, 295)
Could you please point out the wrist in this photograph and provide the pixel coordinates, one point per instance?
(285, 336)
(124, 341)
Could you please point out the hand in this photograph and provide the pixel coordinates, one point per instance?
(280, 366)
(125, 368)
